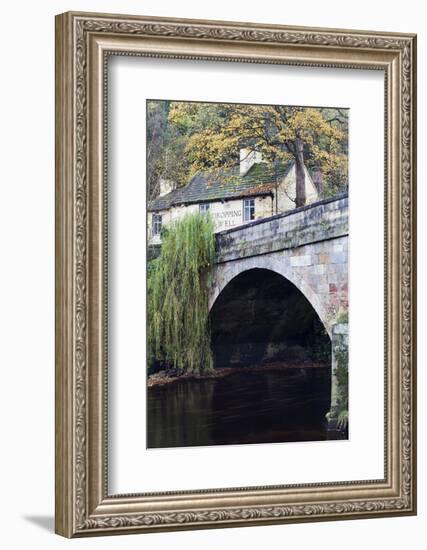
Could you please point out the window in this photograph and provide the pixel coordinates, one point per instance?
(157, 224)
(248, 210)
(204, 208)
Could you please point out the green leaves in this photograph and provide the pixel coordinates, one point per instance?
(178, 312)
(210, 135)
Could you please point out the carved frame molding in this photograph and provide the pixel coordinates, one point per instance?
(83, 43)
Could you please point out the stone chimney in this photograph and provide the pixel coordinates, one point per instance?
(166, 186)
(247, 159)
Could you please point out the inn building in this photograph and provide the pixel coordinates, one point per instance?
(251, 190)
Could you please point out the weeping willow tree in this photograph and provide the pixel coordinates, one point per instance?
(178, 311)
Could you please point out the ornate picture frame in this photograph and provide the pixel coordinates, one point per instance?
(84, 42)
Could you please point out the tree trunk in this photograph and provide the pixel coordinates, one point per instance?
(300, 174)
(318, 181)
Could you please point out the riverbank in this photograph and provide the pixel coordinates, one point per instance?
(162, 378)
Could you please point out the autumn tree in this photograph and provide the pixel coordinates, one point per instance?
(157, 124)
(166, 149)
(216, 133)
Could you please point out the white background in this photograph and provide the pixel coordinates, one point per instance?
(133, 468)
(27, 275)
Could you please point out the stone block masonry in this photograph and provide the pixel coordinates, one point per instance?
(308, 246)
(339, 386)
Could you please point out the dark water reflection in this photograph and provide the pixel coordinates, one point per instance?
(243, 407)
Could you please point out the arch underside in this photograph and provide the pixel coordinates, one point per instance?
(260, 318)
(225, 273)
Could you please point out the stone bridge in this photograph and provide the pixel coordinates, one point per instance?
(308, 247)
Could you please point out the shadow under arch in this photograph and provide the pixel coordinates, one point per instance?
(262, 317)
(226, 273)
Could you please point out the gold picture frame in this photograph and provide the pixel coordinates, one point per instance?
(83, 43)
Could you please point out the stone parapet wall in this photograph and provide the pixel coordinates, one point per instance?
(317, 222)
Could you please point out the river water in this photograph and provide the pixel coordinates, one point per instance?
(268, 406)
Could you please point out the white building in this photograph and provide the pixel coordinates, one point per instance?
(249, 191)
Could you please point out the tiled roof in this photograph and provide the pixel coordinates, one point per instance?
(225, 184)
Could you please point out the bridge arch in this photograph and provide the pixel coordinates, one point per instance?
(261, 318)
(225, 273)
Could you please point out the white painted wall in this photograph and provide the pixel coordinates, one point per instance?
(225, 214)
(27, 277)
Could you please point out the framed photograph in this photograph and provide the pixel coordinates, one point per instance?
(235, 274)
